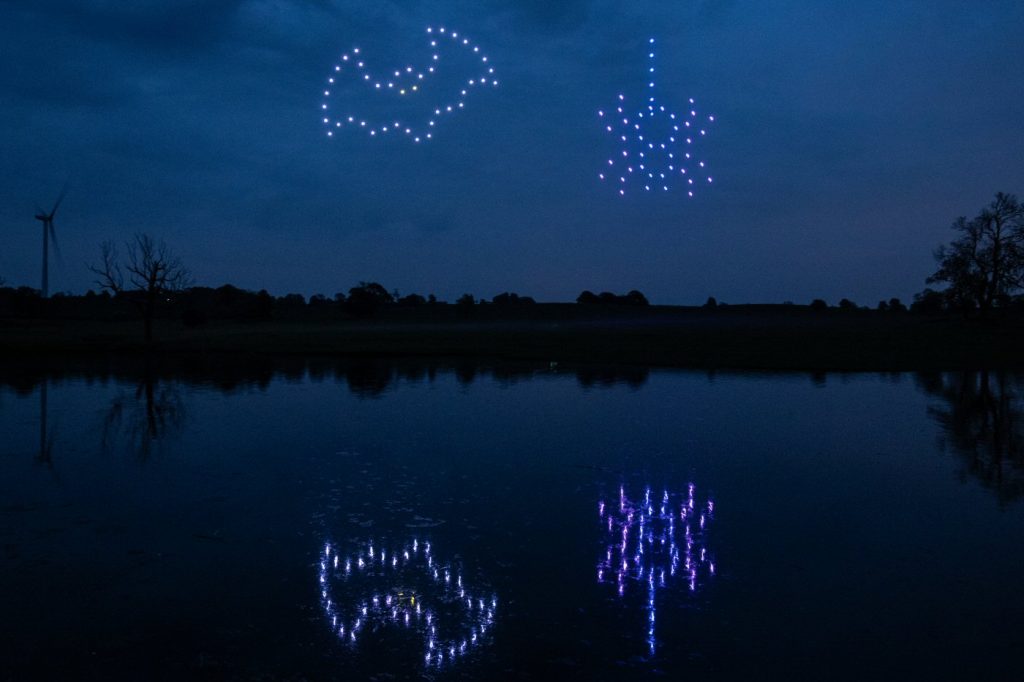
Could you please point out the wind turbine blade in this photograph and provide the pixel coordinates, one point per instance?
(56, 247)
(63, 193)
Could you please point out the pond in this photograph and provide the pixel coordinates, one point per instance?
(316, 519)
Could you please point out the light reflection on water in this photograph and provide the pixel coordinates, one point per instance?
(104, 521)
(373, 588)
(655, 541)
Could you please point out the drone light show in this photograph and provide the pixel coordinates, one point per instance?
(402, 101)
(653, 543)
(656, 149)
(372, 589)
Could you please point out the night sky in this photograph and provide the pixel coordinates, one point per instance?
(848, 136)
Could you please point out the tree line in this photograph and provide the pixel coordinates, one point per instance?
(981, 270)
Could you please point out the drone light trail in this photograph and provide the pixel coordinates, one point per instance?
(654, 542)
(404, 83)
(403, 589)
(657, 149)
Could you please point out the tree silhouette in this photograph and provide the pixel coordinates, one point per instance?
(982, 418)
(896, 306)
(412, 300)
(984, 264)
(365, 299)
(929, 302)
(150, 275)
(146, 417)
(512, 299)
(634, 298)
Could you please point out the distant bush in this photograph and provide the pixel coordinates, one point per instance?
(633, 298)
(847, 304)
(412, 300)
(928, 302)
(819, 304)
(292, 301)
(896, 306)
(510, 299)
(21, 302)
(264, 307)
(711, 303)
(364, 300)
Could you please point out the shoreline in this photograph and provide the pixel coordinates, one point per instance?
(657, 337)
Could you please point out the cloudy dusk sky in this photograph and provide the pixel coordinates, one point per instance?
(847, 138)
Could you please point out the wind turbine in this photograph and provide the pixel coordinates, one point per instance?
(48, 233)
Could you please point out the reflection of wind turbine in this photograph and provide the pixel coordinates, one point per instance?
(48, 233)
(45, 442)
(45, 456)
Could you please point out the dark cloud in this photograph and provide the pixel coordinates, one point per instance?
(547, 15)
(170, 25)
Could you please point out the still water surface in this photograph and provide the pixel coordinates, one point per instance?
(410, 521)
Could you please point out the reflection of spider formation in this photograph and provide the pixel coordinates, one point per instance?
(655, 541)
(405, 589)
(656, 146)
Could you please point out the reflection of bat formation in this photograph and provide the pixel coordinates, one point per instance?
(404, 83)
(655, 541)
(656, 146)
(377, 588)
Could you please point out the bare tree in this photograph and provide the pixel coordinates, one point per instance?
(146, 419)
(151, 273)
(982, 419)
(985, 263)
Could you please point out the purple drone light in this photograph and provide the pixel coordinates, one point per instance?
(653, 542)
(657, 148)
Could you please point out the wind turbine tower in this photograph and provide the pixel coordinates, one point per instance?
(48, 233)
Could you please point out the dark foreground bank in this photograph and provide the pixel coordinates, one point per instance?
(743, 338)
